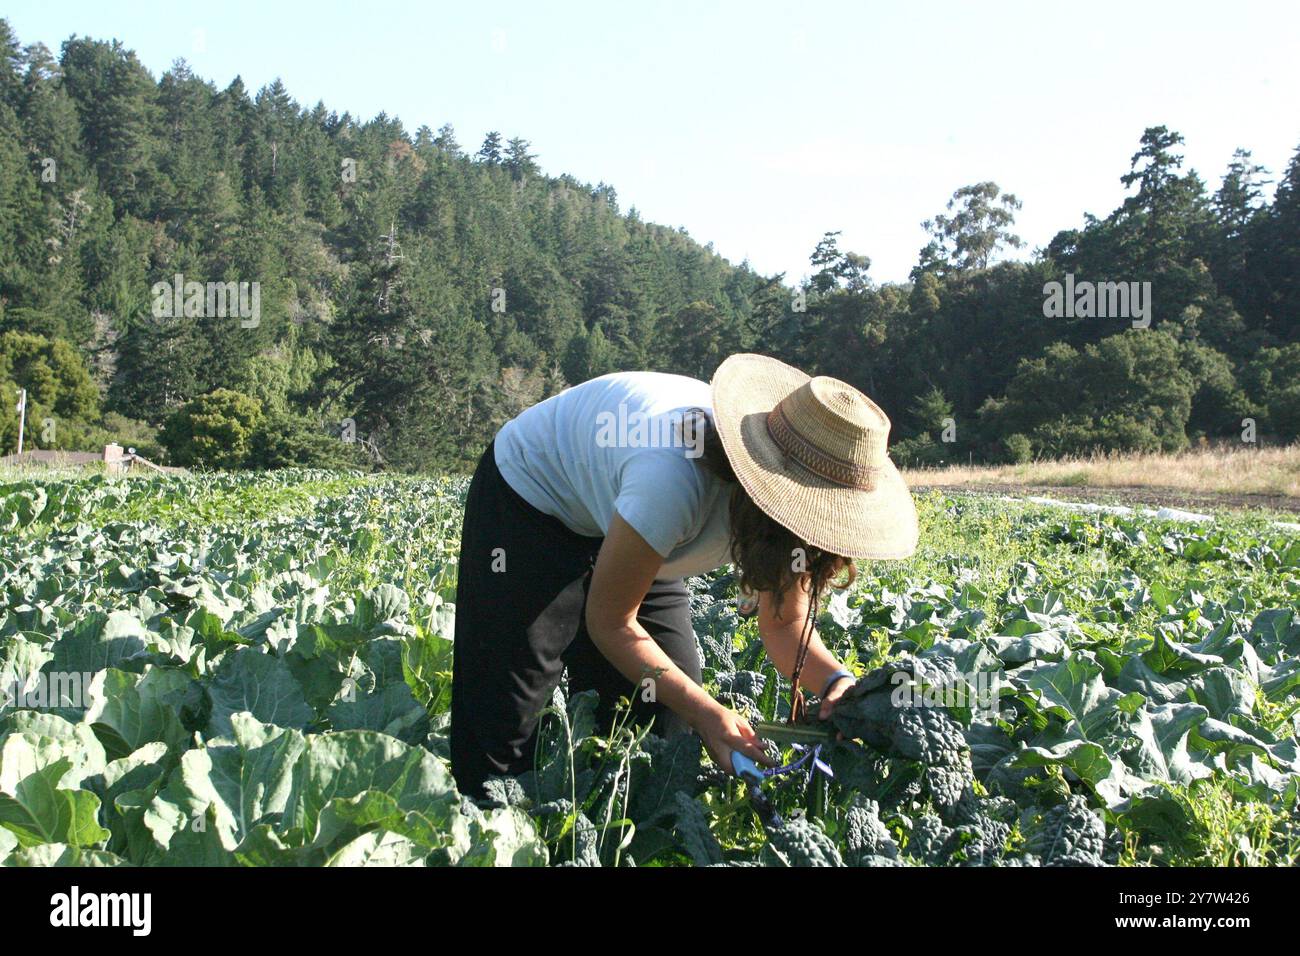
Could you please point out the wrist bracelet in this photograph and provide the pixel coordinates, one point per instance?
(835, 677)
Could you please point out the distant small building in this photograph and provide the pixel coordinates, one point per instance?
(115, 460)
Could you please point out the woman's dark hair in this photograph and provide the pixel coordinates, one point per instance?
(767, 553)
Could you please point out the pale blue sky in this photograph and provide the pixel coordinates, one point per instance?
(760, 125)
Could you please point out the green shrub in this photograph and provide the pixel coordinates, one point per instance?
(214, 430)
(285, 440)
(917, 451)
(1019, 449)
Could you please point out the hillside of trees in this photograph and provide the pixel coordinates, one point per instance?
(415, 293)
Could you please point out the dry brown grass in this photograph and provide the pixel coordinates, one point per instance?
(1221, 470)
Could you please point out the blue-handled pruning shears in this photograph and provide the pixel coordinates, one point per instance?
(745, 768)
(753, 776)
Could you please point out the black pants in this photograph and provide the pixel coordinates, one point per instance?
(520, 602)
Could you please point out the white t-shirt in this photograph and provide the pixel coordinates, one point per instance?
(615, 443)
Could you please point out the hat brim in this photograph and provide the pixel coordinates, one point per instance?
(879, 523)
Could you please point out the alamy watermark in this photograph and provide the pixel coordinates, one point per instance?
(979, 691)
(638, 429)
(1098, 300)
(208, 300)
(75, 908)
(48, 689)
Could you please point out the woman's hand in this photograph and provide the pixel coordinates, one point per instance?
(834, 694)
(723, 730)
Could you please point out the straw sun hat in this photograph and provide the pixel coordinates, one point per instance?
(811, 454)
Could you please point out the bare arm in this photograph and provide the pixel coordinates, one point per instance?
(625, 568)
(781, 638)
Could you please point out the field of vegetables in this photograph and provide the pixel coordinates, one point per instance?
(255, 670)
